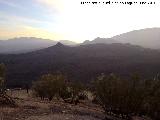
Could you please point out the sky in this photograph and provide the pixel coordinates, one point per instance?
(71, 20)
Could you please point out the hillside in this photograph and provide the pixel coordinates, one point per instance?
(82, 63)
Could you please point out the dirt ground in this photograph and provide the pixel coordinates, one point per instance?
(30, 108)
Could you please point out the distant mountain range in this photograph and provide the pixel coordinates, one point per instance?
(100, 40)
(148, 38)
(81, 63)
(28, 44)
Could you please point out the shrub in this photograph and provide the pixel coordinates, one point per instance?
(49, 86)
(72, 93)
(128, 97)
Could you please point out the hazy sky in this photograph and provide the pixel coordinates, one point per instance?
(70, 20)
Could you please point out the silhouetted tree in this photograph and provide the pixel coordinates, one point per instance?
(4, 98)
(2, 77)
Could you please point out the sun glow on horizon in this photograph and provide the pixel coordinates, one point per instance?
(61, 19)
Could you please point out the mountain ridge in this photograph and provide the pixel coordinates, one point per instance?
(148, 38)
(81, 63)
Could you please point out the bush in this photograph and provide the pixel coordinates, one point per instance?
(128, 97)
(65, 92)
(72, 93)
(76, 90)
(152, 105)
(49, 86)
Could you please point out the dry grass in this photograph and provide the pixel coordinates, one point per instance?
(30, 108)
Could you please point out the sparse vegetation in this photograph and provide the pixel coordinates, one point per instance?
(118, 97)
